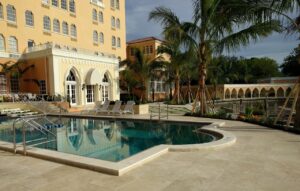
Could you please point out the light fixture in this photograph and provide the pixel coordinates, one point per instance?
(83, 86)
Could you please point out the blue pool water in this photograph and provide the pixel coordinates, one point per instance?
(111, 140)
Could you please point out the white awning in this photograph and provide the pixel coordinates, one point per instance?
(93, 77)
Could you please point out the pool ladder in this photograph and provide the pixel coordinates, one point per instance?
(160, 114)
(31, 121)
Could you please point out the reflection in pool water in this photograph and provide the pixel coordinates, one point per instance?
(112, 140)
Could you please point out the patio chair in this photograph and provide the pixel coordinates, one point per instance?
(116, 108)
(31, 97)
(16, 97)
(104, 107)
(129, 107)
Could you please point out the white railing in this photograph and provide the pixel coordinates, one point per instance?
(50, 45)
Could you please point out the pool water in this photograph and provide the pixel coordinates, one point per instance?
(110, 140)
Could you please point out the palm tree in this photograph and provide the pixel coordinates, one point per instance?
(138, 73)
(178, 59)
(217, 25)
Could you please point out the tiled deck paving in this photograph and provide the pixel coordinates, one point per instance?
(261, 160)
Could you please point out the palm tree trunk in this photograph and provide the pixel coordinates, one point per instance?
(177, 89)
(202, 78)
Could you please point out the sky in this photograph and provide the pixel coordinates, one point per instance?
(276, 46)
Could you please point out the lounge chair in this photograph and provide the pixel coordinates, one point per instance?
(104, 107)
(88, 109)
(129, 107)
(31, 97)
(116, 108)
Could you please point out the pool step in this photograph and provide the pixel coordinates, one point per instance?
(49, 141)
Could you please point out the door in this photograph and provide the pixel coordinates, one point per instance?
(71, 93)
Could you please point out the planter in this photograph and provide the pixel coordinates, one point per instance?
(141, 109)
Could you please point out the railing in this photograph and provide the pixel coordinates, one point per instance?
(160, 114)
(30, 122)
(50, 45)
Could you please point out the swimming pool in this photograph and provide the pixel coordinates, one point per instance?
(108, 139)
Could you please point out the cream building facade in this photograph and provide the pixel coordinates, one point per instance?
(68, 47)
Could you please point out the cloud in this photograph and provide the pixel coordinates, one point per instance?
(276, 46)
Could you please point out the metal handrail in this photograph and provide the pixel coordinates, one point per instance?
(29, 120)
(160, 116)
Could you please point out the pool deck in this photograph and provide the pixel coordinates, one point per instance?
(262, 159)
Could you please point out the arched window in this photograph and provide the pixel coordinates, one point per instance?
(29, 18)
(118, 23)
(72, 6)
(95, 16)
(71, 77)
(55, 3)
(64, 4)
(47, 23)
(11, 13)
(101, 18)
(13, 44)
(2, 43)
(117, 4)
(101, 38)
(56, 26)
(118, 42)
(113, 41)
(112, 3)
(65, 28)
(73, 31)
(113, 22)
(1, 11)
(95, 37)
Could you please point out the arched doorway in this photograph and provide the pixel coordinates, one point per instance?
(241, 94)
(248, 93)
(105, 88)
(263, 93)
(71, 88)
(234, 94)
(280, 92)
(227, 94)
(255, 93)
(271, 93)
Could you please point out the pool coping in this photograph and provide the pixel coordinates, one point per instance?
(128, 164)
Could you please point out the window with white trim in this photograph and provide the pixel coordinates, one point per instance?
(43, 88)
(101, 17)
(113, 22)
(65, 28)
(56, 26)
(2, 43)
(55, 3)
(118, 25)
(3, 84)
(72, 6)
(13, 44)
(1, 11)
(14, 84)
(101, 38)
(29, 18)
(117, 4)
(113, 41)
(95, 37)
(90, 98)
(47, 23)
(112, 3)
(11, 13)
(64, 4)
(105, 88)
(95, 16)
(73, 31)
